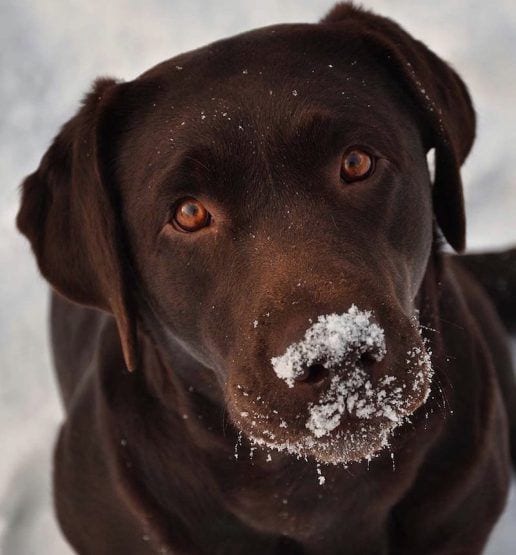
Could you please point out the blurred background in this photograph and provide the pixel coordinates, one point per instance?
(50, 51)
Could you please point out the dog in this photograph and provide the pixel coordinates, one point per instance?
(261, 345)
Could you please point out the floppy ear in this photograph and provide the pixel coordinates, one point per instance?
(441, 97)
(68, 214)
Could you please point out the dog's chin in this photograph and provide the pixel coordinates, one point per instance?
(350, 442)
(342, 447)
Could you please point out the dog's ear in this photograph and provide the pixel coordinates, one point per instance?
(68, 213)
(442, 100)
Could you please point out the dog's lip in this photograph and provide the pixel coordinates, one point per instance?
(346, 444)
(285, 427)
(353, 440)
(293, 430)
(409, 400)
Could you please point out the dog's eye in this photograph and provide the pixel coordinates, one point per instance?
(356, 164)
(191, 215)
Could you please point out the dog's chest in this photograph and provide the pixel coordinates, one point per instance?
(308, 502)
(323, 503)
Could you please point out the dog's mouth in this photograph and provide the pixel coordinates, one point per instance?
(352, 415)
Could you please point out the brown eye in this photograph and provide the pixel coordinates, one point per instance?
(191, 215)
(356, 164)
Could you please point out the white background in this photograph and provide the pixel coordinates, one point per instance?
(50, 51)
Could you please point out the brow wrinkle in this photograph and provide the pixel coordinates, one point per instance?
(196, 161)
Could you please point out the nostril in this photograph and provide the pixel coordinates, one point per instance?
(317, 373)
(313, 374)
(367, 360)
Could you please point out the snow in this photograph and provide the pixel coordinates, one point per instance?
(338, 342)
(340, 448)
(354, 395)
(330, 341)
(51, 53)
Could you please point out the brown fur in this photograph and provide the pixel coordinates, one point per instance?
(145, 461)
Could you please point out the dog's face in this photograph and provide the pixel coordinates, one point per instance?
(273, 195)
(257, 198)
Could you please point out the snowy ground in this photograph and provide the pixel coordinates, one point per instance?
(49, 53)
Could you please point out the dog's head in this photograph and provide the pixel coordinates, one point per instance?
(265, 202)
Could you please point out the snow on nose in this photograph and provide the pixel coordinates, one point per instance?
(335, 340)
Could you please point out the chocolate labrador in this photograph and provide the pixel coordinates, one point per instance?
(260, 345)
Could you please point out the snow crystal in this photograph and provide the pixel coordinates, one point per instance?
(320, 478)
(354, 394)
(330, 341)
(340, 448)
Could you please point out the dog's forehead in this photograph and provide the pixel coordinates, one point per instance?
(255, 94)
(273, 71)
(291, 47)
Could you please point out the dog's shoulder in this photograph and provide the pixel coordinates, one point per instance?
(481, 320)
(474, 297)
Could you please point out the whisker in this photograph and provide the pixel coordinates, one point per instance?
(451, 323)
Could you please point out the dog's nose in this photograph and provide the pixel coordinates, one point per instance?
(319, 372)
(335, 344)
(312, 373)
